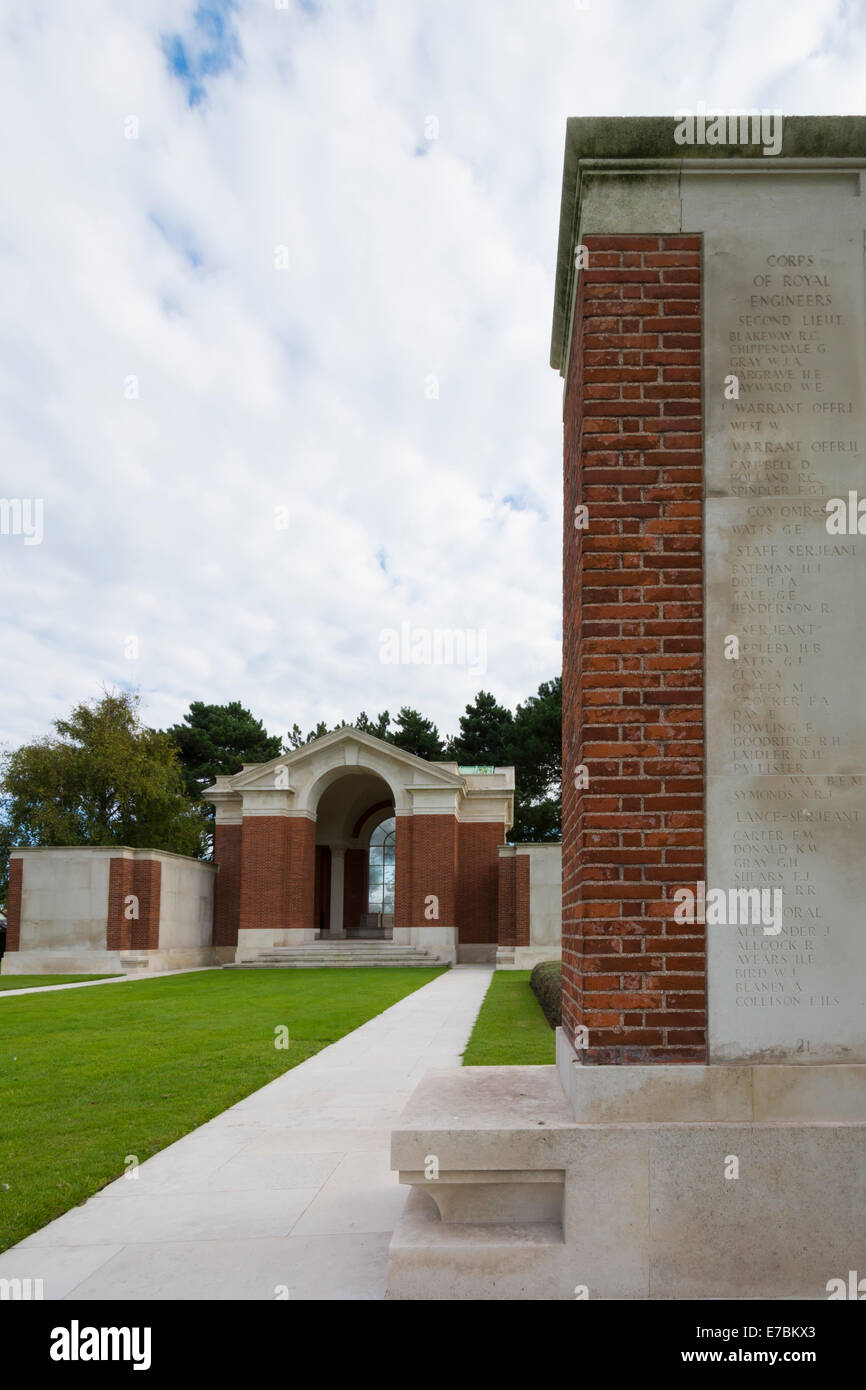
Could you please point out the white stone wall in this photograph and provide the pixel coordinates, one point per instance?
(64, 914)
(545, 909)
(186, 902)
(545, 897)
(64, 899)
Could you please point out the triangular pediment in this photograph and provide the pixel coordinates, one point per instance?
(357, 748)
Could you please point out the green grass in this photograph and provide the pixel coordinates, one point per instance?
(88, 1076)
(511, 1029)
(31, 981)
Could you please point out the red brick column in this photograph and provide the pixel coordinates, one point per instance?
(478, 880)
(402, 871)
(13, 905)
(301, 852)
(506, 905)
(425, 864)
(227, 889)
(147, 887)
(278, 861)
(118, 927)
(514, 899)
(264, 873)
(633, 653)
(522, 864)
(141, 879)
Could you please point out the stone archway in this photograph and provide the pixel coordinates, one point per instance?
(290, 837)
(348, 812)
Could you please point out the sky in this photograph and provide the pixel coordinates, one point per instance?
(277, 286)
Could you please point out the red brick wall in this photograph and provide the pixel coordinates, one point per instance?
(426, 863)
(277, 872)
(147, 887)
(141, 878)
(507, 903)
(632, 653)
(478, 880)
(402, 870)
(13, 905)
(227, 889)
(118, 930)
(521, 899)
(301, 840)
(264, 872)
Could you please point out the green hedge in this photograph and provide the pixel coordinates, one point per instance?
(546, 983)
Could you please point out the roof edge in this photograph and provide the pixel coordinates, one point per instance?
(649, 141)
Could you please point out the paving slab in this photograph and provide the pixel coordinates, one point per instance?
(287, 1195)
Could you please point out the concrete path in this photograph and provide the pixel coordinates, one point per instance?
(109, 980)
(287, 1194)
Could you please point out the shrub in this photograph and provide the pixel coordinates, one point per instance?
(546, 984)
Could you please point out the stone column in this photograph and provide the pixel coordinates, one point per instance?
(713, 562)
(710, 324)
(338, 879)
(227, 853)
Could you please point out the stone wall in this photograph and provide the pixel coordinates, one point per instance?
(530, 905)
(102, 909)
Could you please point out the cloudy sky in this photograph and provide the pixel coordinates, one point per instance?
(277, 284)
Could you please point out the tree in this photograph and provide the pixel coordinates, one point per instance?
(417, 735)
(216, 740)
(536, 753)
(485, 734)
(530, 741)
(102, 779)
(377, 727)
(296, 739)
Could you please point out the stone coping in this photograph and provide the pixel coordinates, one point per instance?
(120, 851)
(484, 1118)
(520, 1117)
(648, 142)
(531, 845)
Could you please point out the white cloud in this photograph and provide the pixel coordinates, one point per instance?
(304, 387)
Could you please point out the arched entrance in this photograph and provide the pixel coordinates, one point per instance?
(297, 843)
(355, 858)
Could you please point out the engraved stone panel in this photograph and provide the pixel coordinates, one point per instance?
(786, 713)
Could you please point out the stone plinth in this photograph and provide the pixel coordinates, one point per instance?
(628, 1192)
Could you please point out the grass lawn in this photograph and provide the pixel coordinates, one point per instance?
(511, 1029)
(31, 981)
(88, 1076)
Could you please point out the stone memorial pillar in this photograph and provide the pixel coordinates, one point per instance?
(710, 327)
(704, 1132)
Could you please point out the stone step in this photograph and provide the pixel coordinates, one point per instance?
(327, 952)
(343, 960)
(370, 949)
(316, 955)
(428, 963)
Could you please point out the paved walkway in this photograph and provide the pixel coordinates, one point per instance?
(290, 1189)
